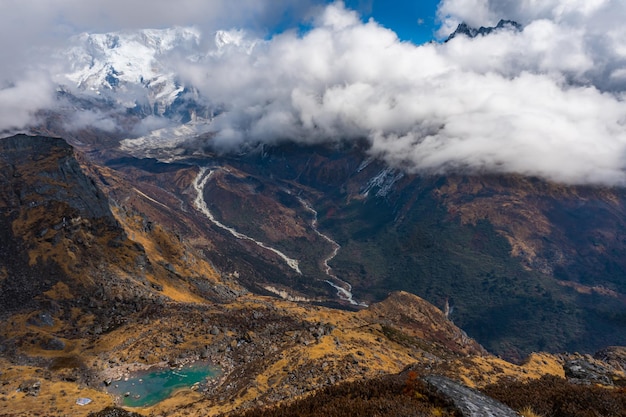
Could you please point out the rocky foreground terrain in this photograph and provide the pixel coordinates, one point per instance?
(99, 278)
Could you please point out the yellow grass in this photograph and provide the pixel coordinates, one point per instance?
(528, 412)
(481, 371)
(60, 291)
(55, 398)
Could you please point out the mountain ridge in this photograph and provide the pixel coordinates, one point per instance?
(472, 32)
(157, 301)
(501, 249)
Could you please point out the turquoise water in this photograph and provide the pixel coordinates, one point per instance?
(146, 388)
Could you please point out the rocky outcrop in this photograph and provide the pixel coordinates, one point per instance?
(603, 369)
(37, 170)
(114, 412)
(54, 220)
(470, 402)
(614, 356)
(471, 32)
(424, 321)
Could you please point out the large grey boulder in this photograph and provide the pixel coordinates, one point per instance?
(470, 402)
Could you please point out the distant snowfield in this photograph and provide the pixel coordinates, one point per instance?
(166, 142)
(129, 62)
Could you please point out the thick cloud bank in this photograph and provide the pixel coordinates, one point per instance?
(547, 100)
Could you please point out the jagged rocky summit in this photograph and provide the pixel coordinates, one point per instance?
(472, 32)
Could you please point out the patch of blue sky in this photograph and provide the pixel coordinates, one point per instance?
(412, 20)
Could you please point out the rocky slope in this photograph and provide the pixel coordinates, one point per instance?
(524, 265)
(102, 284)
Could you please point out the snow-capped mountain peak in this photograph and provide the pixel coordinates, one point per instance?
(139, 70)
(121, 62)
(235, 38)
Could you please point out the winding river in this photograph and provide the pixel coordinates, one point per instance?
(199, 184)
(344, 289)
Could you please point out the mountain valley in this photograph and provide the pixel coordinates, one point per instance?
(465, 239)
(335, 234)
(111, 267)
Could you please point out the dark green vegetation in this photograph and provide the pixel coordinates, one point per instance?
(555, 397)
(428, 253)
(391, 396)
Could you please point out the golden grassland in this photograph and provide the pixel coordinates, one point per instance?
(355, 337)
(477, 372)
(55, 397)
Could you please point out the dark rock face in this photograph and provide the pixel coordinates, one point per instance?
(614, 356)
(36, 169)
(586, 370)
(53, 344)
(470, 32)
(42, 320)
(470, 402)
(30, 387)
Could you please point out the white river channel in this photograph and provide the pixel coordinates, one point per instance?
(344, 289)
(199, 183)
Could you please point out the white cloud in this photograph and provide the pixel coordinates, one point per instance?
(530, 125)
(533, 102)
(20, 101)
(82, 119)
(30, 30)
(548, 100)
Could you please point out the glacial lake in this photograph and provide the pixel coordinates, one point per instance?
(146, 388)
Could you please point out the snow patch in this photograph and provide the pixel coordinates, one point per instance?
(166, 143)
(383, 182)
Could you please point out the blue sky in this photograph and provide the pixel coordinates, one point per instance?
(412, 20)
